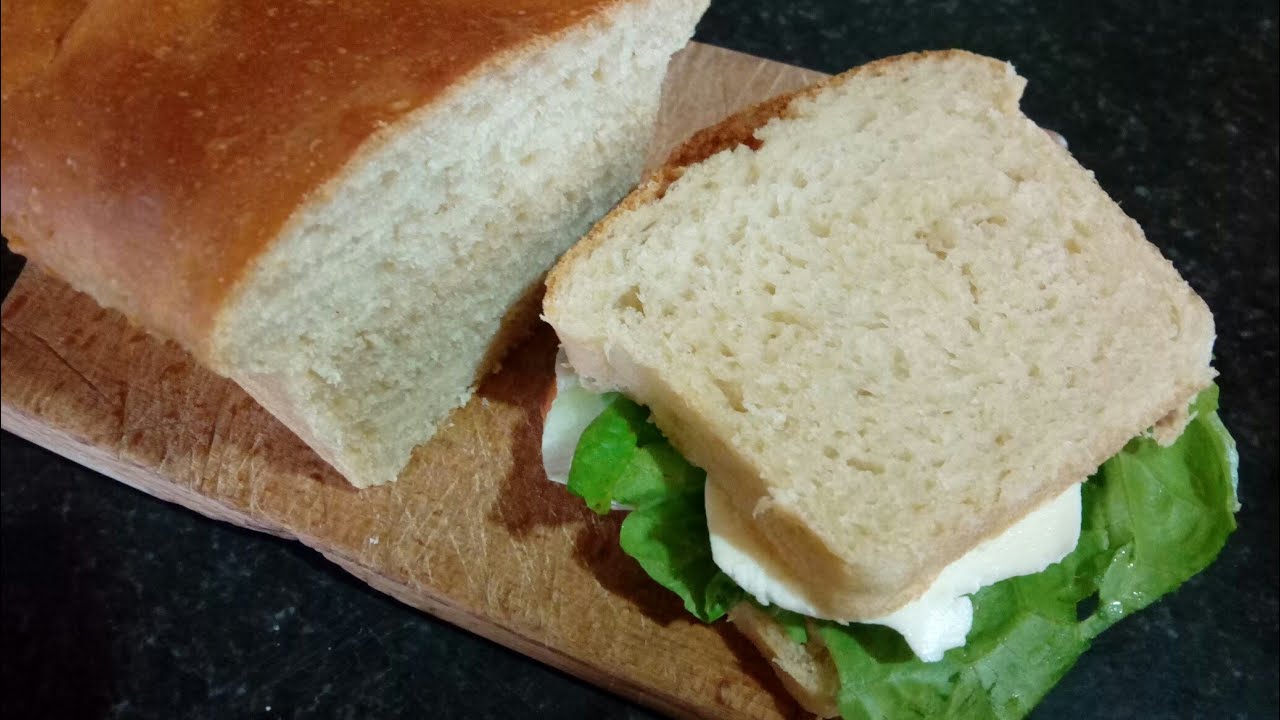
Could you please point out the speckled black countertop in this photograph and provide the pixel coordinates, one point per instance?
(118, 605)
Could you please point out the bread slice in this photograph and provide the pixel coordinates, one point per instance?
(334, 205)
(806, 671)
(889, 316)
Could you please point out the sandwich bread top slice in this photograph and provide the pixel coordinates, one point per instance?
(889, 316)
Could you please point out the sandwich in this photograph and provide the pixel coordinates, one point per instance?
(881, 374)
(346, 208)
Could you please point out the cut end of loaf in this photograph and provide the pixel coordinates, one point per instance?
(374, 314)
(891, 313)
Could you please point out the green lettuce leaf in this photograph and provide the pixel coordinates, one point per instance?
(622, 458)
(1152, 518)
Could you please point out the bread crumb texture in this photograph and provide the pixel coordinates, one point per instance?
(373, 313)
(902, 321)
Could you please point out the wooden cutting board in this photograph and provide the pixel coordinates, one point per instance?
(472, 532)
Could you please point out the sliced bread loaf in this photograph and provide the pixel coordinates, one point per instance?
(889, 315)
(334, 205)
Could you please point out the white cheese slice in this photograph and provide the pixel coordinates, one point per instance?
(932, 624)
(939, 619)
(572, 410)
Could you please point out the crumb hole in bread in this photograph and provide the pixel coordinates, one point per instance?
(796, 262)
(819, 229)
(1100, 352)
(1001, 439)
(939, 238)
(388, 178)
(1073, 246)
(732, 394)
(858, 463)
(786, 317)
(901, 370)
(770, 289)
(974, 292)
(630, 300)
(830, 453)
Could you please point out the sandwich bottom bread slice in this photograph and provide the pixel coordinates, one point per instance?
(878, 371)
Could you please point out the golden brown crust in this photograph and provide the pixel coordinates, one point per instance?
(30, 33)
(151, 152)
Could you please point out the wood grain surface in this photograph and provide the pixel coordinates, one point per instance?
(472, 532)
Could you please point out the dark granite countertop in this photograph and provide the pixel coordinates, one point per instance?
(118, 605)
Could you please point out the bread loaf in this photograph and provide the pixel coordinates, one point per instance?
(888, 315)
(333, 204)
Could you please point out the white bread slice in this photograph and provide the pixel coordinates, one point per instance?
(334, 205)
(806, 671)
(889, 316)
